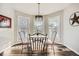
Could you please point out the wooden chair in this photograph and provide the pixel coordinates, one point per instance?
(38, 43)
(22, 33)
(54, 33)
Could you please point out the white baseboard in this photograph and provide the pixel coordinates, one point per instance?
(72, 49)
(6, 47)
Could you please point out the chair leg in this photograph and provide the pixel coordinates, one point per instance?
(22, 50)
(53, 50)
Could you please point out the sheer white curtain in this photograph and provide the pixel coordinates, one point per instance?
(54, 25)
(23, 27)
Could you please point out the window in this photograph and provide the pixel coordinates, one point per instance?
(54, 25)
(38, 25)
(23, 25)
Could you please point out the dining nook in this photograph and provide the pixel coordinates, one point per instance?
(39, 29)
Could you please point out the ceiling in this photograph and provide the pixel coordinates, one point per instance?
(45, 8)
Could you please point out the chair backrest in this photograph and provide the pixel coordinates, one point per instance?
(38, 42)
(22, 36)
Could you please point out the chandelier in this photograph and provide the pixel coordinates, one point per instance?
(38, 18)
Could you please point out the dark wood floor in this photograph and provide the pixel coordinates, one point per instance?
(60, 50)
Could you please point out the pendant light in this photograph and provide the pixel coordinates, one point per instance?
(38, 18)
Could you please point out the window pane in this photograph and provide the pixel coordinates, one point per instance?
(23, 27)
(38, 25)
(54, 25)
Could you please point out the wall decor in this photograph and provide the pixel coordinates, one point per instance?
(5, 22)
(74, 19)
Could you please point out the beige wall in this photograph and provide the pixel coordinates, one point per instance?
(71, 34)
(6, 34)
